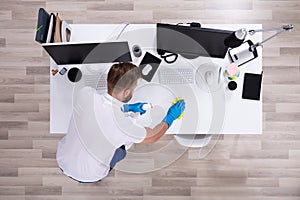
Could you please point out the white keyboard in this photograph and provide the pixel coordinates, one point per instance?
(176, 76)
(97, 81)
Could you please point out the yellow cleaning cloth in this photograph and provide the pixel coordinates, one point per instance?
(174, 102)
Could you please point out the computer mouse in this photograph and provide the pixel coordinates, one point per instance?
(146, 70)
(209, 77)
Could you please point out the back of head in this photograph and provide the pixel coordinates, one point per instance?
(122, 76)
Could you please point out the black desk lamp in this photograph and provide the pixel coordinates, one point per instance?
(238, 37)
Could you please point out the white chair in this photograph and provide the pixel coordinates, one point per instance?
(206, 142)
(190, 140)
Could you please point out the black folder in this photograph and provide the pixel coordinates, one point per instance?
(252, 86)
(42, 26)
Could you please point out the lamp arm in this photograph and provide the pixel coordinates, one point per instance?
(252, 32)
(265, 40)
(284, 27)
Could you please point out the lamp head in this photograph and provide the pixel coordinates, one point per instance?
(288, 27)
(236, 38)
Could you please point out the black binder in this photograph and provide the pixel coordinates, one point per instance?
(42, 26)
(252, 86)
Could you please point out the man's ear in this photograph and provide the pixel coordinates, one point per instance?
(126, 92)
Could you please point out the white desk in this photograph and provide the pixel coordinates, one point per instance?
(240, 117)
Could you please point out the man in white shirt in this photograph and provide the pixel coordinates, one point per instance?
(99, 132)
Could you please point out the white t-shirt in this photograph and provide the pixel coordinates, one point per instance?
(97, 128)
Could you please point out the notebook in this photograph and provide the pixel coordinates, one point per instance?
(252, 86)
(51, 29)
(57, 31)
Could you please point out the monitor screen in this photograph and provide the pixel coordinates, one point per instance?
(80, 53)
(191, 42)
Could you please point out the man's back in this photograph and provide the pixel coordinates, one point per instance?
(93, 136)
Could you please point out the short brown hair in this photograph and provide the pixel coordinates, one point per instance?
(122, 76)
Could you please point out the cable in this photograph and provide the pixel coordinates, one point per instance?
(122, 31)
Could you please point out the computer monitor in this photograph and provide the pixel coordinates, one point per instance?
(81, 53)
(191, 42)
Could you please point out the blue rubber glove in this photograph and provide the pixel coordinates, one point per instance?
(174, 112)
(136, 107)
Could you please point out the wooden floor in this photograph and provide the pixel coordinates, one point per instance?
(244, 167)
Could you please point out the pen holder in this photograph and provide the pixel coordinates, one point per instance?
(137, 51)
(74, 74)
(232, 85)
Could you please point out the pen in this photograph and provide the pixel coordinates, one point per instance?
(219, 74)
